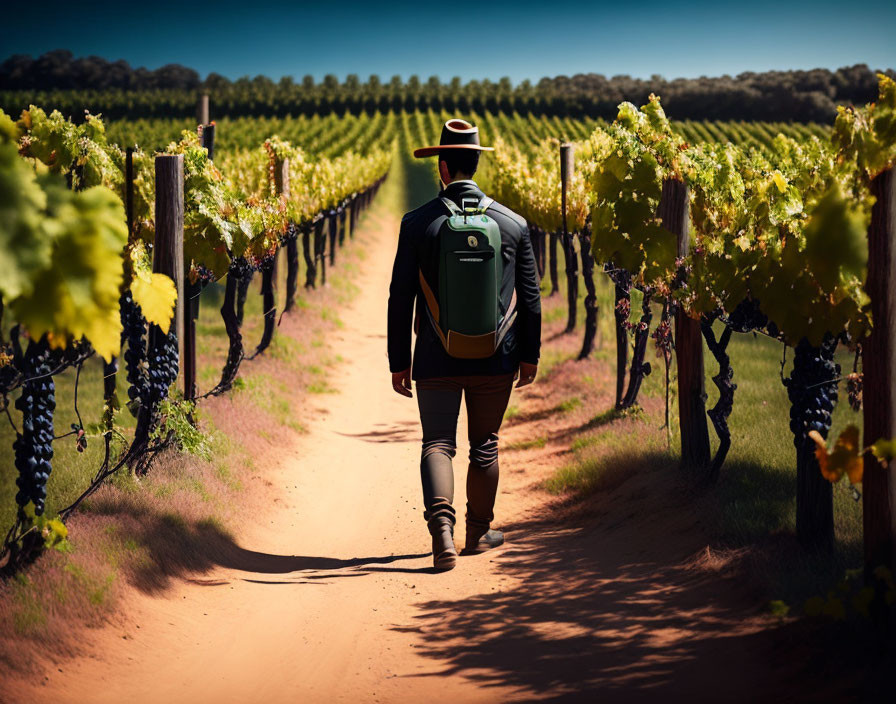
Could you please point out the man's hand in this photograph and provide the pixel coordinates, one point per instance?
(527, 374)
(401, 382)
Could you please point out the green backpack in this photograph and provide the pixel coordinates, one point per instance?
(467, 314)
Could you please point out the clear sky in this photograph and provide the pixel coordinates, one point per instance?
(477, 39)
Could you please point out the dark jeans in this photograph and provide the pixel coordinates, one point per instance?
(439, 402)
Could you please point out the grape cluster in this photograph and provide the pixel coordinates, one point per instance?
(747, 317)
(812, 388)
(854, 384)
(623, 309)
(241, 268)
(34, 446)
(134, 333)
(682, 272)
(662, 339)
(201, 274)
(292, 232)
(8, 371)
(163, 364)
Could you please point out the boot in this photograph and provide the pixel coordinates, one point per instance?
(478, 541)
(444, 554)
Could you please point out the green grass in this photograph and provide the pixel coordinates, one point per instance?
(288, 350)
(30, 615)
(597, 462)
(568, 405)
(527, 444)
(550, 360)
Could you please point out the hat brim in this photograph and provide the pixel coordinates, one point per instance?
(429, 151)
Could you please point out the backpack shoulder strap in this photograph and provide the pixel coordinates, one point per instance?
(485, 203)
(452, 207)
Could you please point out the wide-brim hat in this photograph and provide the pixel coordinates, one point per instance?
(456, 134)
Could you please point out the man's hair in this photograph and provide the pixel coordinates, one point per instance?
(464, 161)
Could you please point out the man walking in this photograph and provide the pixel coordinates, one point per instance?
(467, 262)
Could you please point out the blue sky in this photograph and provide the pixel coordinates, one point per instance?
(520, 39)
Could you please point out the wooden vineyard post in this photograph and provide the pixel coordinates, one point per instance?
(569, 250)
(208, 139)
(202, 110)
(695, 451)
(168, 259)
(333, 229)
(879, 370)
(168, 248)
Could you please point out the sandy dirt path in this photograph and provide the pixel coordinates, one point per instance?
(319, 606)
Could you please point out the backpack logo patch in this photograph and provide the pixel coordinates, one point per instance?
(472, 241)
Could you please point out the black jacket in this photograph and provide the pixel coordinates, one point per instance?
(417, 250)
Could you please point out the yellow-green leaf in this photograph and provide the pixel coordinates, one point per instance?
(884, 450)
(780, 181)
(156, 295)
(58, 527)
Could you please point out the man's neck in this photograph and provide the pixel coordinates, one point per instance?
(465, 179)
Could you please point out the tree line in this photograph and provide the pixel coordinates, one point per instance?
(72, 84)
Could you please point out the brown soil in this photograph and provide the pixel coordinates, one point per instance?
(328, 592)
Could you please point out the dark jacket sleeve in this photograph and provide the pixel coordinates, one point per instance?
(402, 292)
(528, 295)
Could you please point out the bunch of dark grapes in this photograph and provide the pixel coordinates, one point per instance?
(292, 232)
(747, 317)
(134, 333)
(682, 272)
(163, 364)
(623, 309)
(34, 446)
(241, 268)
(202, 274)
(8, 371)
(662, 339)
(854, 391)
(812, 389)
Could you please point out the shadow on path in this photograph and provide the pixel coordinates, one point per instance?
(623, 608)
(178, 549)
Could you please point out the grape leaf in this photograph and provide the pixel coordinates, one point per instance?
(24, 244)
(156, 295)
(845, 458)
